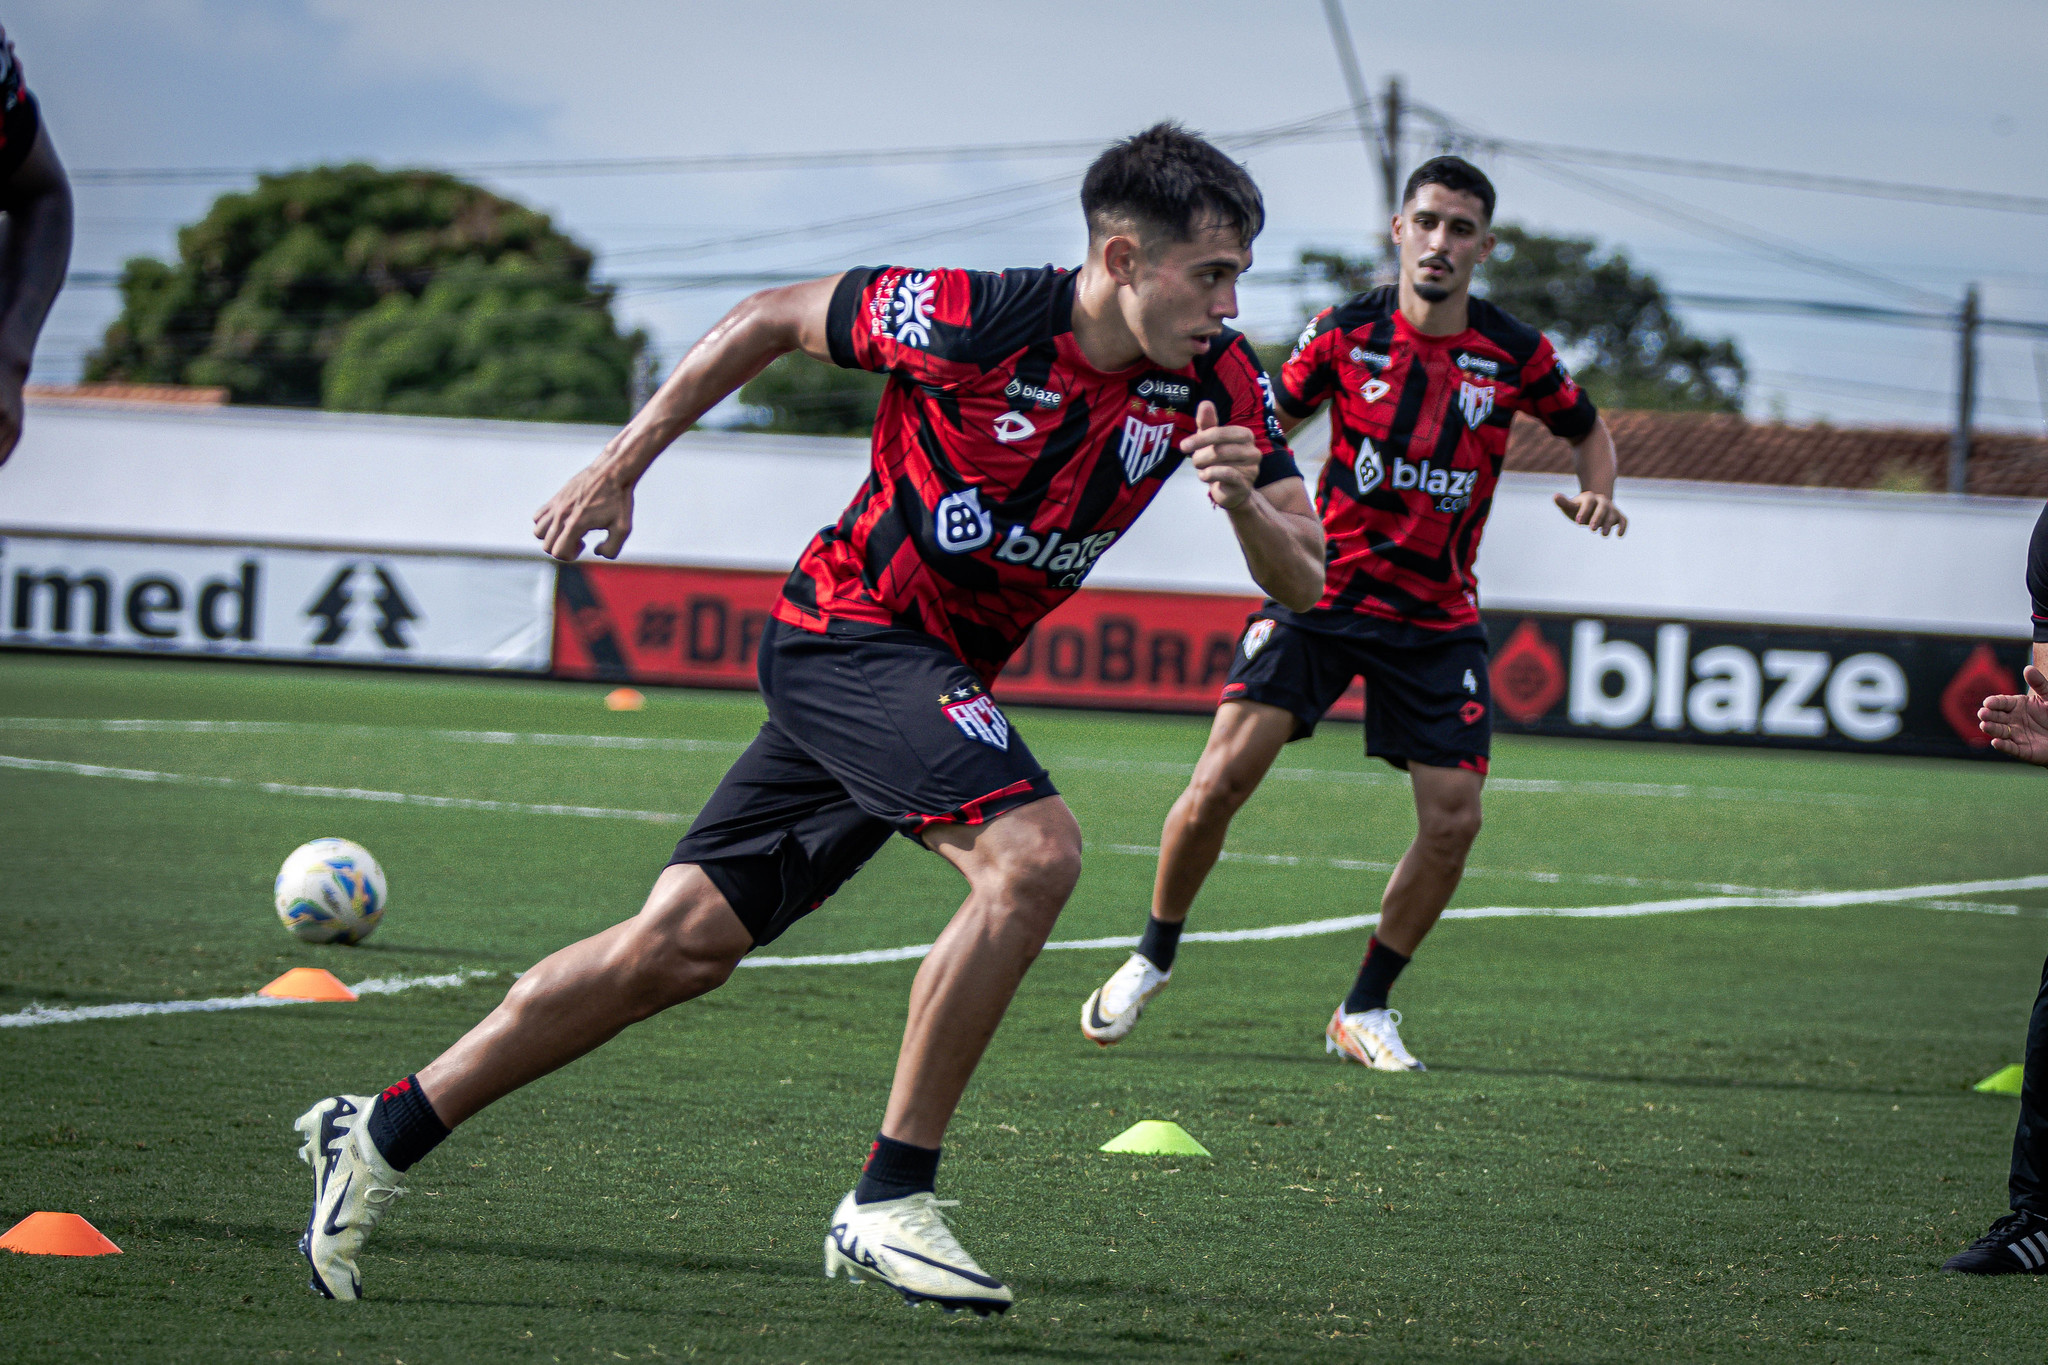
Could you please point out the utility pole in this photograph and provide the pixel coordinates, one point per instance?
(1390, 161)
(1377, 145)
(1966, 394)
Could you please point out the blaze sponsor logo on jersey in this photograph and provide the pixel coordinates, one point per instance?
(960, 523)
(1144, 446)
(910, 309)
(1066, 562)
(1013, 426)
(1476, 364)
(1164, 393)
(1255, 637)
(1373, 390)
(1019, 391)
(1379, 360)
(1452, 488)
(977, 715)
(1476, 402)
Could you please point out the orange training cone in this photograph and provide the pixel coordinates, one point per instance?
(308, 983)
(624, 699)
(57, 1234)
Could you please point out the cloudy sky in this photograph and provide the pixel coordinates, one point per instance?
(1948, 96)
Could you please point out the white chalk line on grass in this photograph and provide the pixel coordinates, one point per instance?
(380, 985)
(1919, 896)
(1078, 762)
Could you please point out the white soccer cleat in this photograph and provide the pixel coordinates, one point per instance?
(905, 1244)
(1370, 1038)
(1113, 1010)
(353, 1188)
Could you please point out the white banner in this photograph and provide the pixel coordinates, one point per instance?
(438, 611)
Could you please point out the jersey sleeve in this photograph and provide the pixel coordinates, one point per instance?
(1549, 394)
(938, 327)
(1245, 398)
(2037, 576)
(1310, 374)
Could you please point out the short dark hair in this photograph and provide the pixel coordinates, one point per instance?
(1167, 182)
(1453, 173)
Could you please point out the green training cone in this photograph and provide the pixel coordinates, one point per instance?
(1162, 1137)
(2004, 1081)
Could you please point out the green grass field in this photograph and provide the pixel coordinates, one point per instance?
(1732, 1133)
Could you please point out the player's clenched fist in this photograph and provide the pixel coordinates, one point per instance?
(594, 500)
(1225, 458)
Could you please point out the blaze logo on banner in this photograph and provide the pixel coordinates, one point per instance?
(978, 716)
(1369, 469)
(1014, 426)
(911, 309)
(1144, 446)
(960, 523)
(1373, 390)
(1256, 636)
(1476, 402)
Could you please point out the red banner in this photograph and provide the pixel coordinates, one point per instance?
(1106, 647)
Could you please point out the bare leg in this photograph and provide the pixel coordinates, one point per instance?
(1020, 869)
(1243, 743)
(685, 941)
(1446, 823)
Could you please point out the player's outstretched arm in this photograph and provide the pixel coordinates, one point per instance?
(762, 327)
(37, 251)
(1277, 526)
(1594, 508)
(2019, 725)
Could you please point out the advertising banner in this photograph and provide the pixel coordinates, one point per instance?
(1552, 673)
(437, 611)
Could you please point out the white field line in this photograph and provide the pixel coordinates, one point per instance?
(1079, 762)
(1913, 895)
(381, 985)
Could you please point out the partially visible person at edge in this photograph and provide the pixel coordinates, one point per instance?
(1423, 382)
(1029, 417)
(2017, 1243)
(36, 249)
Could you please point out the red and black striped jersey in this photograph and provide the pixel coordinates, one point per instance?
(1418, 430)
(1004, 463)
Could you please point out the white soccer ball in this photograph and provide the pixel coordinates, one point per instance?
(330, 891)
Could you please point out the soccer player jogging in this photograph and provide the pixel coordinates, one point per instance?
(1030, 416)
(2017, 1243)
(1423, 382)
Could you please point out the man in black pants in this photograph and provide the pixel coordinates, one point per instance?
(2018, 1243)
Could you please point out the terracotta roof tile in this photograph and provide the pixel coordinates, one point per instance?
(1726, 449)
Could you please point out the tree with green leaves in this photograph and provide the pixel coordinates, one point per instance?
(807, 396)
(352, 288)
(1626, 346)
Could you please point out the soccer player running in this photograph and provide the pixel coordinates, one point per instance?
(1424, 381)
(2017, 1242)
(1030, 416)
(35, 250)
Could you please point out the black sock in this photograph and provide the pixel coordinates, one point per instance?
(895, 1170)
(1161, 941)
(404, 1126)
(1375, 978)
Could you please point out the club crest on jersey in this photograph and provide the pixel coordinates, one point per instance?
(1014, 426)
(1144, 446)
(960, 523)
(910, 309)
(1255, 637)
(976, 714)
(1373, 390)
(1476, 402)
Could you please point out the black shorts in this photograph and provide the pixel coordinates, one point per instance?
(1427, 698)
(870, 731)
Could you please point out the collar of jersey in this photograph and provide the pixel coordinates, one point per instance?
(1407, 331)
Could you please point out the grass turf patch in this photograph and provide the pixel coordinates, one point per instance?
(1740, 1133)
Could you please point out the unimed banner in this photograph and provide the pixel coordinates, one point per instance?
(1604, 677)
(439, 611)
